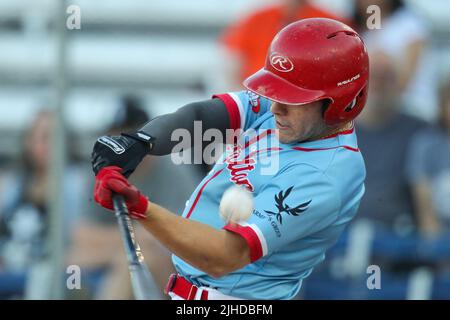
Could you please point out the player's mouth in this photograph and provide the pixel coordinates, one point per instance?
(281, 126)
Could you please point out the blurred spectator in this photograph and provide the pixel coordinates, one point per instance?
(403, 35)
(247, 41)
(385, 137)
(23, 207)
(97, 245)
(430, 170)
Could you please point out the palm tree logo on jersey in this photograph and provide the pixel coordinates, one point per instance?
(283, 207)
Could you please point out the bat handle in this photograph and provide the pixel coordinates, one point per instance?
(141, 279)
(134, 254)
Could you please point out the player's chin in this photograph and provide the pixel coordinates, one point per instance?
(284, 136)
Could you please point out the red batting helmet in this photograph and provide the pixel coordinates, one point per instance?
(315, 59)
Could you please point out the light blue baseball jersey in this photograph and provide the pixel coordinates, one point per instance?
(304, 195)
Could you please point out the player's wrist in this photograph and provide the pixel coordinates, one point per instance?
(140, 210)
(144, 140)
(150, 208)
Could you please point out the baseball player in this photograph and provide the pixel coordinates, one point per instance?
(303, 101)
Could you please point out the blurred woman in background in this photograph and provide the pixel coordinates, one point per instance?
(24, 207)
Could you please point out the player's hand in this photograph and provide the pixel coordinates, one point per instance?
(109, 180)
(125, 151)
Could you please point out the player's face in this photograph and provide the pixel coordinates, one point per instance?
(298, 123)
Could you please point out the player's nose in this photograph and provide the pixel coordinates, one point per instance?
(278, 109)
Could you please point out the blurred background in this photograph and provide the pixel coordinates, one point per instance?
(73, 70)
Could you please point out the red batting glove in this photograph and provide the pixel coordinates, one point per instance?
(109, 180)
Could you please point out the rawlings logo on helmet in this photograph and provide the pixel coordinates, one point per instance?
(349, 80)
(281, 63)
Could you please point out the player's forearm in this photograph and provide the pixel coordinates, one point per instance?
(216, 252)
(157, 136)
(211, 114)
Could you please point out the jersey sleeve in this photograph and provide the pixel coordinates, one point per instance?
(295, 204)
(244, 108)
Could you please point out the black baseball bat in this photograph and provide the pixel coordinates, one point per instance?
(144, 287)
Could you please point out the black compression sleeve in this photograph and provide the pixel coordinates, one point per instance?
(212, 113)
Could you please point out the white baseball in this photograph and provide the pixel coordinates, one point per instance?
(236, 204)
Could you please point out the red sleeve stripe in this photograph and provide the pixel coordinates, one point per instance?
(254, 238)
(240, 107)
(233, 110)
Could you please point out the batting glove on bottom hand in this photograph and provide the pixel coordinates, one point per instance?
(109, 181)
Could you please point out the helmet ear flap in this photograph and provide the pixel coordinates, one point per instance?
(356, 101)
(351, 105)
(349, 112)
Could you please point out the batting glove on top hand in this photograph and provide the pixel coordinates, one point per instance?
(110, 181)
(125, 151)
